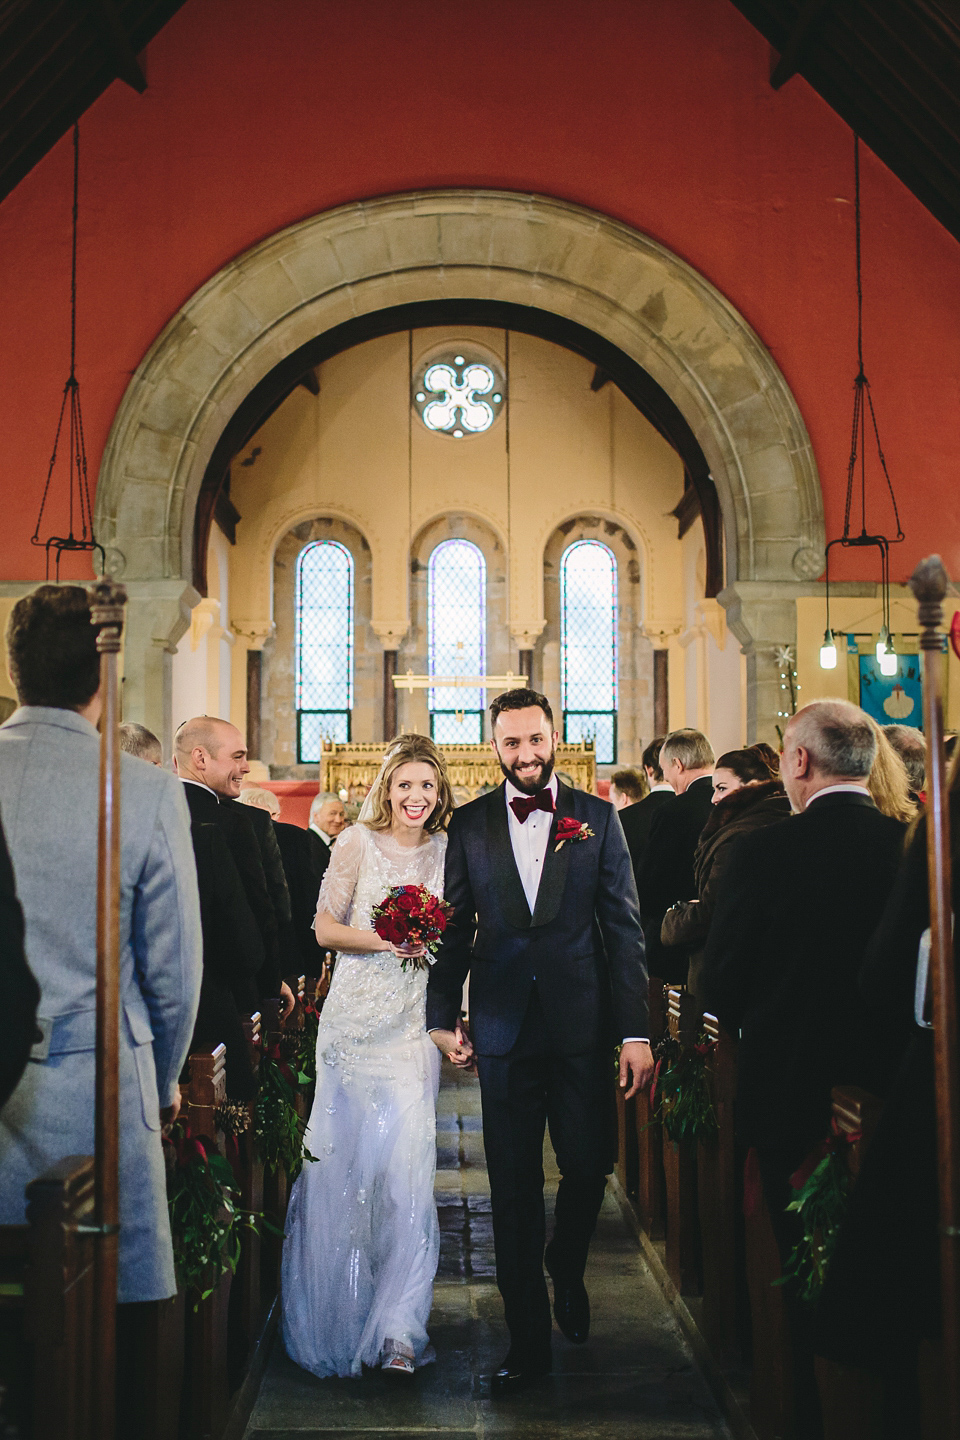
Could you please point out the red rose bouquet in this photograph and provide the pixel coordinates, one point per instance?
(410, 917)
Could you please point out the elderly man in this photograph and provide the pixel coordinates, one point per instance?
(799, 904)
(327, 819)
(211, 759)
(666, 870)
(49, 786)
(911, 746)
(139, 741)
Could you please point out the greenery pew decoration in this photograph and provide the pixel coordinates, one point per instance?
(679, 1094)
(278, 1128)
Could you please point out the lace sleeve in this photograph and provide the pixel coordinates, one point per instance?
(341, 875)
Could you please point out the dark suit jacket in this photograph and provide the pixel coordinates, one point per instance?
(637, 821)
(798, 906)
(19, 991)
(299, 851)
(238, 831)
(233, 956)
(666, 872)
(582, 947)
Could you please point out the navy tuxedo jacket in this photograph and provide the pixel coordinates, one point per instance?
(582, 947)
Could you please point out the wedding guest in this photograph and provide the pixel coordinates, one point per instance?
(911, 746)
(637, 819)
(666, 874)
(211, 759)
(139, 741)
(889, 784)
(627, 787)
(49, 795)
(19, 991)
(328, 819)
(795, 912)
(303, 869)
(746, 797)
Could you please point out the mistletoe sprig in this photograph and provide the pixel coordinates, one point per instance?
(205, 1219)
(680, 1096)
(278, 1129)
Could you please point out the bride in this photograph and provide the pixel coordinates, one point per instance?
(362, 1239)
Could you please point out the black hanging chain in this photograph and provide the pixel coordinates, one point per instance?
(78, 485)
(862, 403)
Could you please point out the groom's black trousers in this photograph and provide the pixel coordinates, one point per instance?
(521, 1092)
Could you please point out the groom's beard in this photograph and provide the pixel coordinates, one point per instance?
(531, 783)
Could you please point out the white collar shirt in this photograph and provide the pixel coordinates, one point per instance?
(839, 790)
(529, 840)
(327, 839)
(200, 786)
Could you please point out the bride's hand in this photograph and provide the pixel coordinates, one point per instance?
(455, 1045)
(409, 951)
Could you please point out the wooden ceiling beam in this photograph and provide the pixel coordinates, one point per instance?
(118, 44)
(790, 56)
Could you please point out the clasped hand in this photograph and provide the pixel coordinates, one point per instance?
(455, 1044)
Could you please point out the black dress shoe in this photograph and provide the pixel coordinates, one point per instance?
(571, 1308)
(519, 1371)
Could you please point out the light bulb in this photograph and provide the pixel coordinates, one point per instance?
(888, 661)
(828, 652)
(883, 640)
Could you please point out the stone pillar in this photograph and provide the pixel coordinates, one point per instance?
(763, 617)
(526, 666)
(661, 692)
(254, 683)
(158, 615)
(389, 694)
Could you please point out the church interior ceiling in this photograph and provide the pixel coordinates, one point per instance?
(889, 68)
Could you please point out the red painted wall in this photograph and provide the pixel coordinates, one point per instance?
(658, 114)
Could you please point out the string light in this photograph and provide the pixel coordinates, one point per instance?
(789, 687)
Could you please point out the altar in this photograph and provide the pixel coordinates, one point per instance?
(473, 769)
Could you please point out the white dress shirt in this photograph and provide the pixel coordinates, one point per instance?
(529, 840)
(851, 789)
(327, 839)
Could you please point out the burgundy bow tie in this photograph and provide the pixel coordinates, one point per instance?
(524, 805)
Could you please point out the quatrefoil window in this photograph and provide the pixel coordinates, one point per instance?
(459, 396)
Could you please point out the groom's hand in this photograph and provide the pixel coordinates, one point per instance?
(636, 1065)
(455, 1045)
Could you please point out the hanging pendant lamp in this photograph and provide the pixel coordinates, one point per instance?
(80, 534)
(857, 479)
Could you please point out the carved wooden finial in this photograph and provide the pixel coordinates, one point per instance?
(930, 581)
(107, 601)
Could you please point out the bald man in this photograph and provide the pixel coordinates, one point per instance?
(210, 757)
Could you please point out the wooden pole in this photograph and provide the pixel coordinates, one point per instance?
(929, 584)
(107, 600)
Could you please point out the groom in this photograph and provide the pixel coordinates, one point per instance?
(549, 930)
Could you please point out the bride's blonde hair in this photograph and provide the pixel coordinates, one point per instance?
(410, 750)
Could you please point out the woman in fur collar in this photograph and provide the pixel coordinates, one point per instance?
(747, 795)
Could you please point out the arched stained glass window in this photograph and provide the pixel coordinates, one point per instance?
(588, 646)
(324, 647)
(457, 620)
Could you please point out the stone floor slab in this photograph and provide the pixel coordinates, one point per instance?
(635, 1379)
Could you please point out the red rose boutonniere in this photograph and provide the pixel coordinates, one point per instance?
(570, 829)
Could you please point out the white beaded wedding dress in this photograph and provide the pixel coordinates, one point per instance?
(362, 1239)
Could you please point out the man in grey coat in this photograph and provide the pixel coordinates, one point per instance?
(49, 765)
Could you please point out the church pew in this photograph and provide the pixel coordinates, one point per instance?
(275, 1187)
(626, 1141)
(247, 1296)
(206, 1387)
(47, 1306)
(771, 1367)
(720, 1218)
(680, 1164)
(851, 1400)
(651, 1184)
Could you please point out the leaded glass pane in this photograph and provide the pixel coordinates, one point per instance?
(459, 396)
(456, 599)
(324, 644)
(462, 728)
(588, 611)
(600, 727)
(317, 726)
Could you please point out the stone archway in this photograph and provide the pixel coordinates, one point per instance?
(432, 245)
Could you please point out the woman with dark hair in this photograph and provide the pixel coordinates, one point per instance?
(746, 797)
